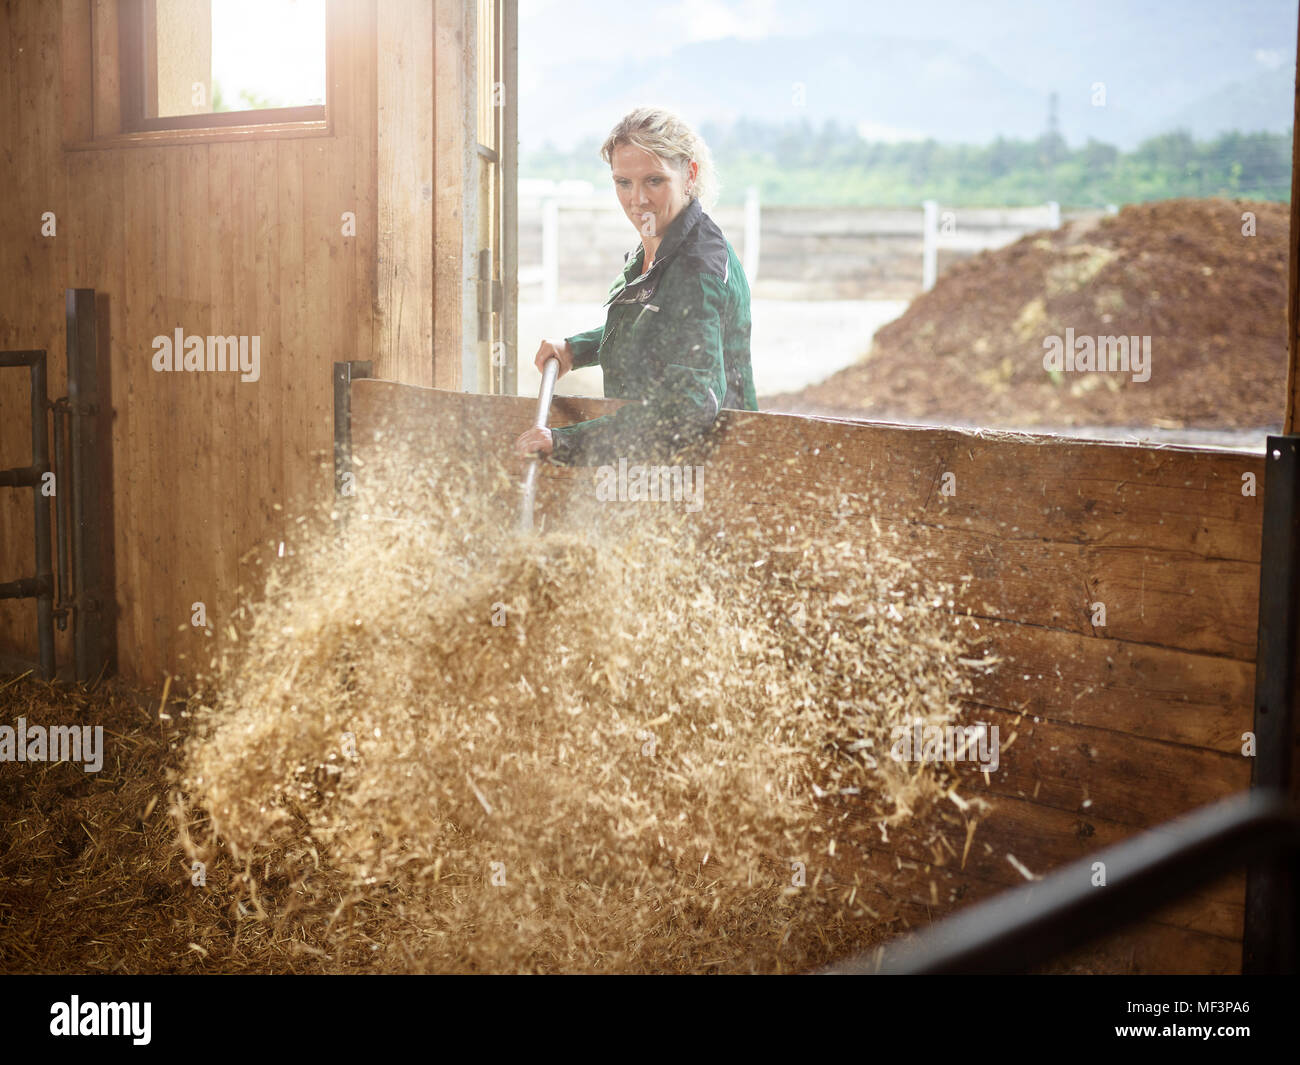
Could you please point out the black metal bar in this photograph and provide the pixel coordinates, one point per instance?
(1270, 943)
(41, 513)
(344, 374)
(63, 590)
(40, 587)
(20, 358)
(1020, 929)
(20, 477)
(91, 527)
(24, 588)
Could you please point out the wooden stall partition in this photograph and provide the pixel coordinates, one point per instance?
(1117, 727)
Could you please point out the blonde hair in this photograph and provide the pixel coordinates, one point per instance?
(664, 134)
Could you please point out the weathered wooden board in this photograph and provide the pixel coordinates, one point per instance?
(1215, 912)
(1056, 838)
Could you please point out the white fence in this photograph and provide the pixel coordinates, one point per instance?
(980, 230)
(572, 238)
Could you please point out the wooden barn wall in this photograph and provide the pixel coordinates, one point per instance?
(1116, 729)
(222, 237)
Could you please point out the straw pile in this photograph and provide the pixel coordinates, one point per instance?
(434, 745)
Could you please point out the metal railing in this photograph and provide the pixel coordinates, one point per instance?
(35, 476)
(80, 483)
(1020, 929)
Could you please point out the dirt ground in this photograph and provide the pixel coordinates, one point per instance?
(1185, 273)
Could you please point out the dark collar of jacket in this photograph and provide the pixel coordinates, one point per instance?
(680, 230)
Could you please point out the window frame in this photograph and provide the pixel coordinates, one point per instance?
(104, 68)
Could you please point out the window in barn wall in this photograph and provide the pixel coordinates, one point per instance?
(194, 64)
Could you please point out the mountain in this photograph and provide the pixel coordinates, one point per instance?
(946, 69)
(1239, 107)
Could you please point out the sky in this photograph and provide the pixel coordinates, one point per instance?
(951, 69)
(903, 70)
(284, 61)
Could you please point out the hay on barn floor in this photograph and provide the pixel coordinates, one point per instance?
(657, 761)
(602, 750)
(92, 877)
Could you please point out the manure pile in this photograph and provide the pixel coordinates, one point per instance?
(431, 744)
(1211, 298)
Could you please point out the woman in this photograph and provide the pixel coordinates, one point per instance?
(676, 335)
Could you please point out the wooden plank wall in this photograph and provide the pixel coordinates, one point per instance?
(1118, 728)
(455, 198)
(230, 238)
(406, 191)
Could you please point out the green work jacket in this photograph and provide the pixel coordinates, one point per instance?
(675, 342)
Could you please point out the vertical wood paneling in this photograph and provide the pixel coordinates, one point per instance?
(322, 328)
(76, 37)
(244, 494)
(228, 319)
(405, 193)
(108, 109)
(137, 496)
(265, 466)
(195, 571)
(453, 114)
(237, 238)
(340, 182)
(363, 123)
(293, 349)
(169, 449)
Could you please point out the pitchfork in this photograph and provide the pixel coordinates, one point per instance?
(549, 373)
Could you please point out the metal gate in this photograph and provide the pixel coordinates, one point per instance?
(80, 482)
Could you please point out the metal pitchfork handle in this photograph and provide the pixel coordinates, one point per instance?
(549, 373)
